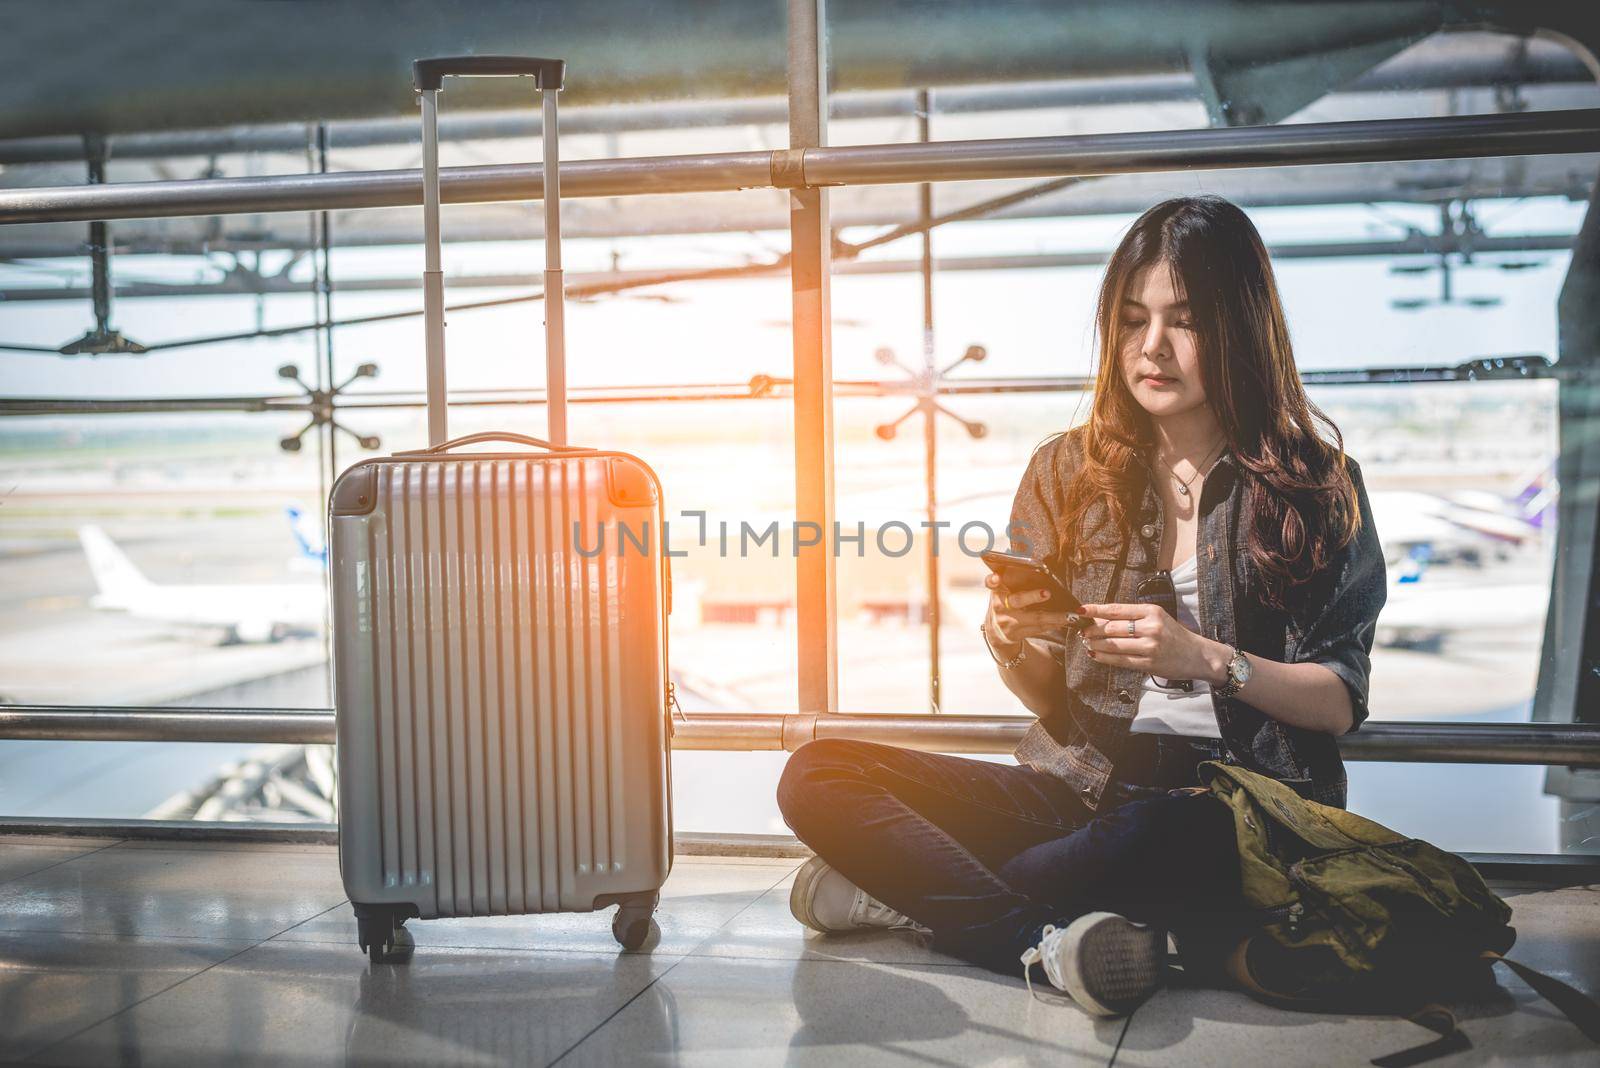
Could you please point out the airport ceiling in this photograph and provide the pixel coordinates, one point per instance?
(180, 91)
(175, 64)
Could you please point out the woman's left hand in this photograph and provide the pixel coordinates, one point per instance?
(1159, 645)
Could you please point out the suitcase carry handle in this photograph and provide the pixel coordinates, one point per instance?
(427, 74)
(493, 435)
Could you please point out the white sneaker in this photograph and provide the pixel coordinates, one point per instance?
(826, 901)
(1106, 963)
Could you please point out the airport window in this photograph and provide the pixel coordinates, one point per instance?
(159, 546)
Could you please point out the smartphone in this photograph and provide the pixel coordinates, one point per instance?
(1020, 573)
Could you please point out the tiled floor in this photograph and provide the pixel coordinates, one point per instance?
(124, 952)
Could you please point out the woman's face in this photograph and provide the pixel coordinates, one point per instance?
(1159, 360)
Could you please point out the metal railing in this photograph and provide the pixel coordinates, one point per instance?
(1574, 745)
(1365, 141)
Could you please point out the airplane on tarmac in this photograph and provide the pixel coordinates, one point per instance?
(1467, 526)
(246, 613)
(1422, 610)
(1426, 538)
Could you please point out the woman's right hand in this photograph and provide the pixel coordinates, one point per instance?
(1015, 616)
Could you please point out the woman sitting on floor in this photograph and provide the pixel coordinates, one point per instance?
(1225, 551)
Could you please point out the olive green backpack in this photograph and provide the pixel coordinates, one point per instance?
(1359, 918)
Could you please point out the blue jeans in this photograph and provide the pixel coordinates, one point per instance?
(985, 855)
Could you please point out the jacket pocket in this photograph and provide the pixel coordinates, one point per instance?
(1090, 582)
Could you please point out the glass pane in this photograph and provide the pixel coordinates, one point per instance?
(202, 499)
(1461, 474)
(160, 560)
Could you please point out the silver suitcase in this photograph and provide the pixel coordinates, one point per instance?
(500, 654)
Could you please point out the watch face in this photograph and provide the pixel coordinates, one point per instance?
(1241, 669)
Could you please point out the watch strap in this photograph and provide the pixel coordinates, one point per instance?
(1006, 664)
(1233, 685)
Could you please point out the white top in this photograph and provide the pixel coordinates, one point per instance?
(1164, 709)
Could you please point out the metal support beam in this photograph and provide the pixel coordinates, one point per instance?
(1424, 183)
(1573, 639)
(1549, 870)
(103, 338)
(1563, 744)
(1415, 245)
(100, 252)
(74, 723)
(1569, 665)
(930, 420)
(810, 260)
(760, 388)
(684, 843)
(1145, 152)
(172, 830)
(323, 277)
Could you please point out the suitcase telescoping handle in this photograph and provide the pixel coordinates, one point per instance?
(492, 435)
(429, 74)
(428, 78)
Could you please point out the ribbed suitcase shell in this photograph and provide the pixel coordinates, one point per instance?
(501, 685)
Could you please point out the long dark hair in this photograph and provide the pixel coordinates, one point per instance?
(1301, 504)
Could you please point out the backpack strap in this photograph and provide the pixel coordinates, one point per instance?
(1575, 1005)
(1442, 1022)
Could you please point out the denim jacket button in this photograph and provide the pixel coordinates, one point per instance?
(1124, 696)
(1148, 530)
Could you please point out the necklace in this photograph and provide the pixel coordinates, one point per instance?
(1183, 487)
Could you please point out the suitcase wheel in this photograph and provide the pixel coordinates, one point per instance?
(634, 925)
(381, 934)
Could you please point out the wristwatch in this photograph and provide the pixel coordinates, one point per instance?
(1238, 675)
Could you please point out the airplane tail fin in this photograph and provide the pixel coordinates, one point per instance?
(304, 537)
(1540, 507)
(1536, 497)
(118, 578)
(1415, 563)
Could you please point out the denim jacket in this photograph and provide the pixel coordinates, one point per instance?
(1085, 707)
